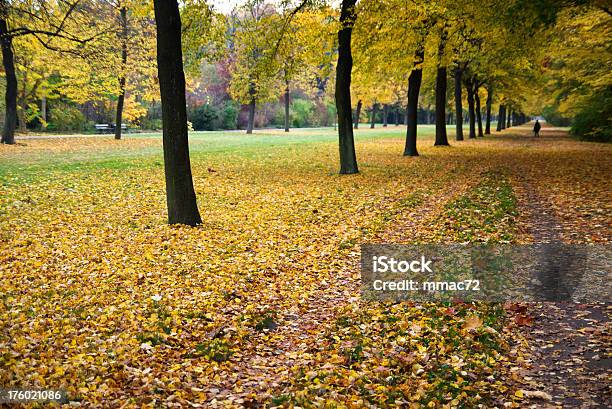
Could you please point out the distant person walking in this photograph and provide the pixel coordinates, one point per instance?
(536, 128)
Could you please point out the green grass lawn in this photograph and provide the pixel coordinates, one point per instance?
(91, 152)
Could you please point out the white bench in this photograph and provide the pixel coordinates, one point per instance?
(109, 128)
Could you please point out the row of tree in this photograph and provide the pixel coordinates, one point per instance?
(384, 52)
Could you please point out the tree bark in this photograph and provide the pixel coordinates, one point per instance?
(441, 137)
(251, 119)
(441, 84)
(10, 96)
(43, 111)
(374, 113)
(489, 103)
(385, 115)
(180, 194)
(358, 114)
(478, 107)
(458, 104)
(121, 99)
(414, 88)
(22, 107)
(397, 116)
(287, 106)
(472, 114)
(348, 158)
(509, 121)
(500, 118)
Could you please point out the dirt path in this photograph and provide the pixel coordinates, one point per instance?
(297, 335)
(569, 351)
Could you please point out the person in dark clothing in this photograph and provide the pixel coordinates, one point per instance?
(536, 128)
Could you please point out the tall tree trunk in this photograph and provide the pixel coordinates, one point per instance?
(22, 107)
(358, 113)
(500, 118)
(348, 159)
(458, 104)
(441, 84)
(121, 99)
(180, 194)
(478, 107)
(489, 103)
(472, 113)
(414, 88)
(8, 60)
(509, 121)
(287, 106)
(441, 137)
(397, 116)
(374, 113)
(43, 111)
(251, 118)
(385, 115)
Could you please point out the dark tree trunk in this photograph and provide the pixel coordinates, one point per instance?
(43, 111)
(374, 113)
(500, 118)
(478, 108)
(121, 99)
(414, 88)
(472, 113)
(441, 137)
(458, 106)
(251, 118)
(385, 115)
(348, 159)
(509, 122)
(180, 194)
(358, 114)
(397, 116)
(10, 96)
(489, 103)
(441, 84)
(287, 107)
(21, 111)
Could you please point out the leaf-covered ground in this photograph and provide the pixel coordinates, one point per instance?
(260, 305)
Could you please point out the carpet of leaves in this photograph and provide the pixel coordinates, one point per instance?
(100, 297)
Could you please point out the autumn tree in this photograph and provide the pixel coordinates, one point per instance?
(348, 158)
(52, 24)
(180, 194)
(577, 80)
(441, 81)
(302, 50)
(254, 70)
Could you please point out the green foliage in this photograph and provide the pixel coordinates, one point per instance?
(554, 117)
(209, 117)
(594, 121)
(302, 113)
(66, 118)
(204, 118)
(229, 115)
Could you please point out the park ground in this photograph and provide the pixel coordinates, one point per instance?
(260, 305)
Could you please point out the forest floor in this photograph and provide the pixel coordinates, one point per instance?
(260, 306)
